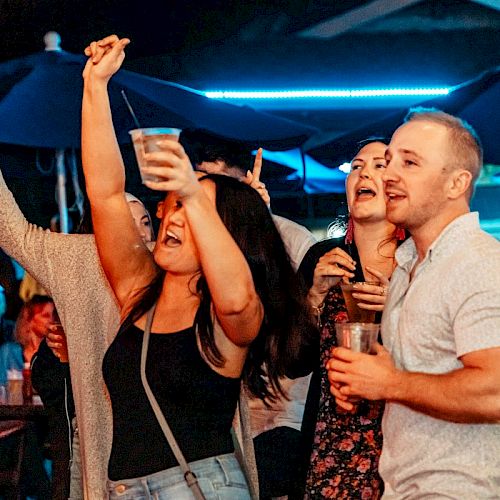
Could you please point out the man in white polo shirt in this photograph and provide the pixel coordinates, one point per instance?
(440, 373)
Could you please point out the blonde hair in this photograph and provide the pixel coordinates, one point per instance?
(466, 151)
(22, 330)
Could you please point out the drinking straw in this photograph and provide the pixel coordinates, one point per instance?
(132, 113)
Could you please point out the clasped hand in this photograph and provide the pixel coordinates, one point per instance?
(170, 165)
(105, 57)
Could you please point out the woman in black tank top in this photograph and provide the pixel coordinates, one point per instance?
(227, 305)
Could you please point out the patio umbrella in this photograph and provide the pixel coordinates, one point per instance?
(477, 101)
(40, 106)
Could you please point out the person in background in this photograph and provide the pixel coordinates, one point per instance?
(276, 426)
(51, 378)
(10, 285)
(68, 267)
(31, 325)
(341, 449)
(214, 156)
(439, 371)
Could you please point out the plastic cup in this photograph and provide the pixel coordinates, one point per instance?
(145, 140)
(354, 312)
(14, 387)
(359, 337)
(3, 395)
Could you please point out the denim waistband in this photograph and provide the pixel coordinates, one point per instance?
(214, 474)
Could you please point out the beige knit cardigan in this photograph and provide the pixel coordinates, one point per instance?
(68, 267)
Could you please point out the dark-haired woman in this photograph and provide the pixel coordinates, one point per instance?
(342, 449)
(219, 289)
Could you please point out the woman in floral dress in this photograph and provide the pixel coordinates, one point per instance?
(343, 448)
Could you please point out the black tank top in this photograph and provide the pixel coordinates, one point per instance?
(198, 403)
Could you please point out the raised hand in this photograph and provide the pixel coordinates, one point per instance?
(330, 269)
(172, 166)
(372, 296)
(105, 57)
(253, 179)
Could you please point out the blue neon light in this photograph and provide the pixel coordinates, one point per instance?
(300, 94)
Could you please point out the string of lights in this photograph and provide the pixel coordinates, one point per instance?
(326, 93)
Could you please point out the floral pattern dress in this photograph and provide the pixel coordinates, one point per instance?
(346, 448)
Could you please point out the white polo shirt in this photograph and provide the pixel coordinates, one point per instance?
(450, 308)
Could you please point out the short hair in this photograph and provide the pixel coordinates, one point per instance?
(204, 147)
(465, 145)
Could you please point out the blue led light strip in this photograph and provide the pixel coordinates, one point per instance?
(300, 94)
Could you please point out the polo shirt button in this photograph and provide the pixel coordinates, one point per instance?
(120, 489)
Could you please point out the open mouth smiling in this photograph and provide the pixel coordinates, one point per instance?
(392, 196)
(171, 239)
(365, 193)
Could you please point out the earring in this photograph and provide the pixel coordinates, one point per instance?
(400, 233)
(349, 235)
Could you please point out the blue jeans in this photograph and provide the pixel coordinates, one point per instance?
(220, 478)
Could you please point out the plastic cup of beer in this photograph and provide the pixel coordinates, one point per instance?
(358, 337)
(145, 140)
(355, 313)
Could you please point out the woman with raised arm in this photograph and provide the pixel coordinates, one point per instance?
(342, 449)
(217, 296)
(68, 267)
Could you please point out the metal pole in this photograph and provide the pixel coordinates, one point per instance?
(61, 191)
(310, 208)
(303, 158)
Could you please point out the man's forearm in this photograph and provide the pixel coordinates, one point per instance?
(467, 395)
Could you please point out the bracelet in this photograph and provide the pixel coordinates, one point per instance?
(318, 311)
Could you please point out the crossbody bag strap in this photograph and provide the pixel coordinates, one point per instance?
(189, 475)
(248, 452)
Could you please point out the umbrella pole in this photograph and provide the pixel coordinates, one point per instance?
(303, 158)
(61, 191)
(310, 209)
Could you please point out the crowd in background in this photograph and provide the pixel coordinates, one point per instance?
(209, 364)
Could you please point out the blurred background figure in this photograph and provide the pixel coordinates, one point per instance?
(10, 284)
(51, 379)
(31, 326)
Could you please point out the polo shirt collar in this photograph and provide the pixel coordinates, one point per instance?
(450, 238)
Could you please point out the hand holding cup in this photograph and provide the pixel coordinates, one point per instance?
(364, 298)
(333, 266)
(147, 140)
(368, 376)
(172, 168)
(56, 340)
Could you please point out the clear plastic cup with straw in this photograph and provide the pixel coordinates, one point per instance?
(146, 140)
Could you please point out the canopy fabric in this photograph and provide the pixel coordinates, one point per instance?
(477, 101)
(40, 106)
(318, 178)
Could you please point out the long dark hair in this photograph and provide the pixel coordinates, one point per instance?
(286, 321)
